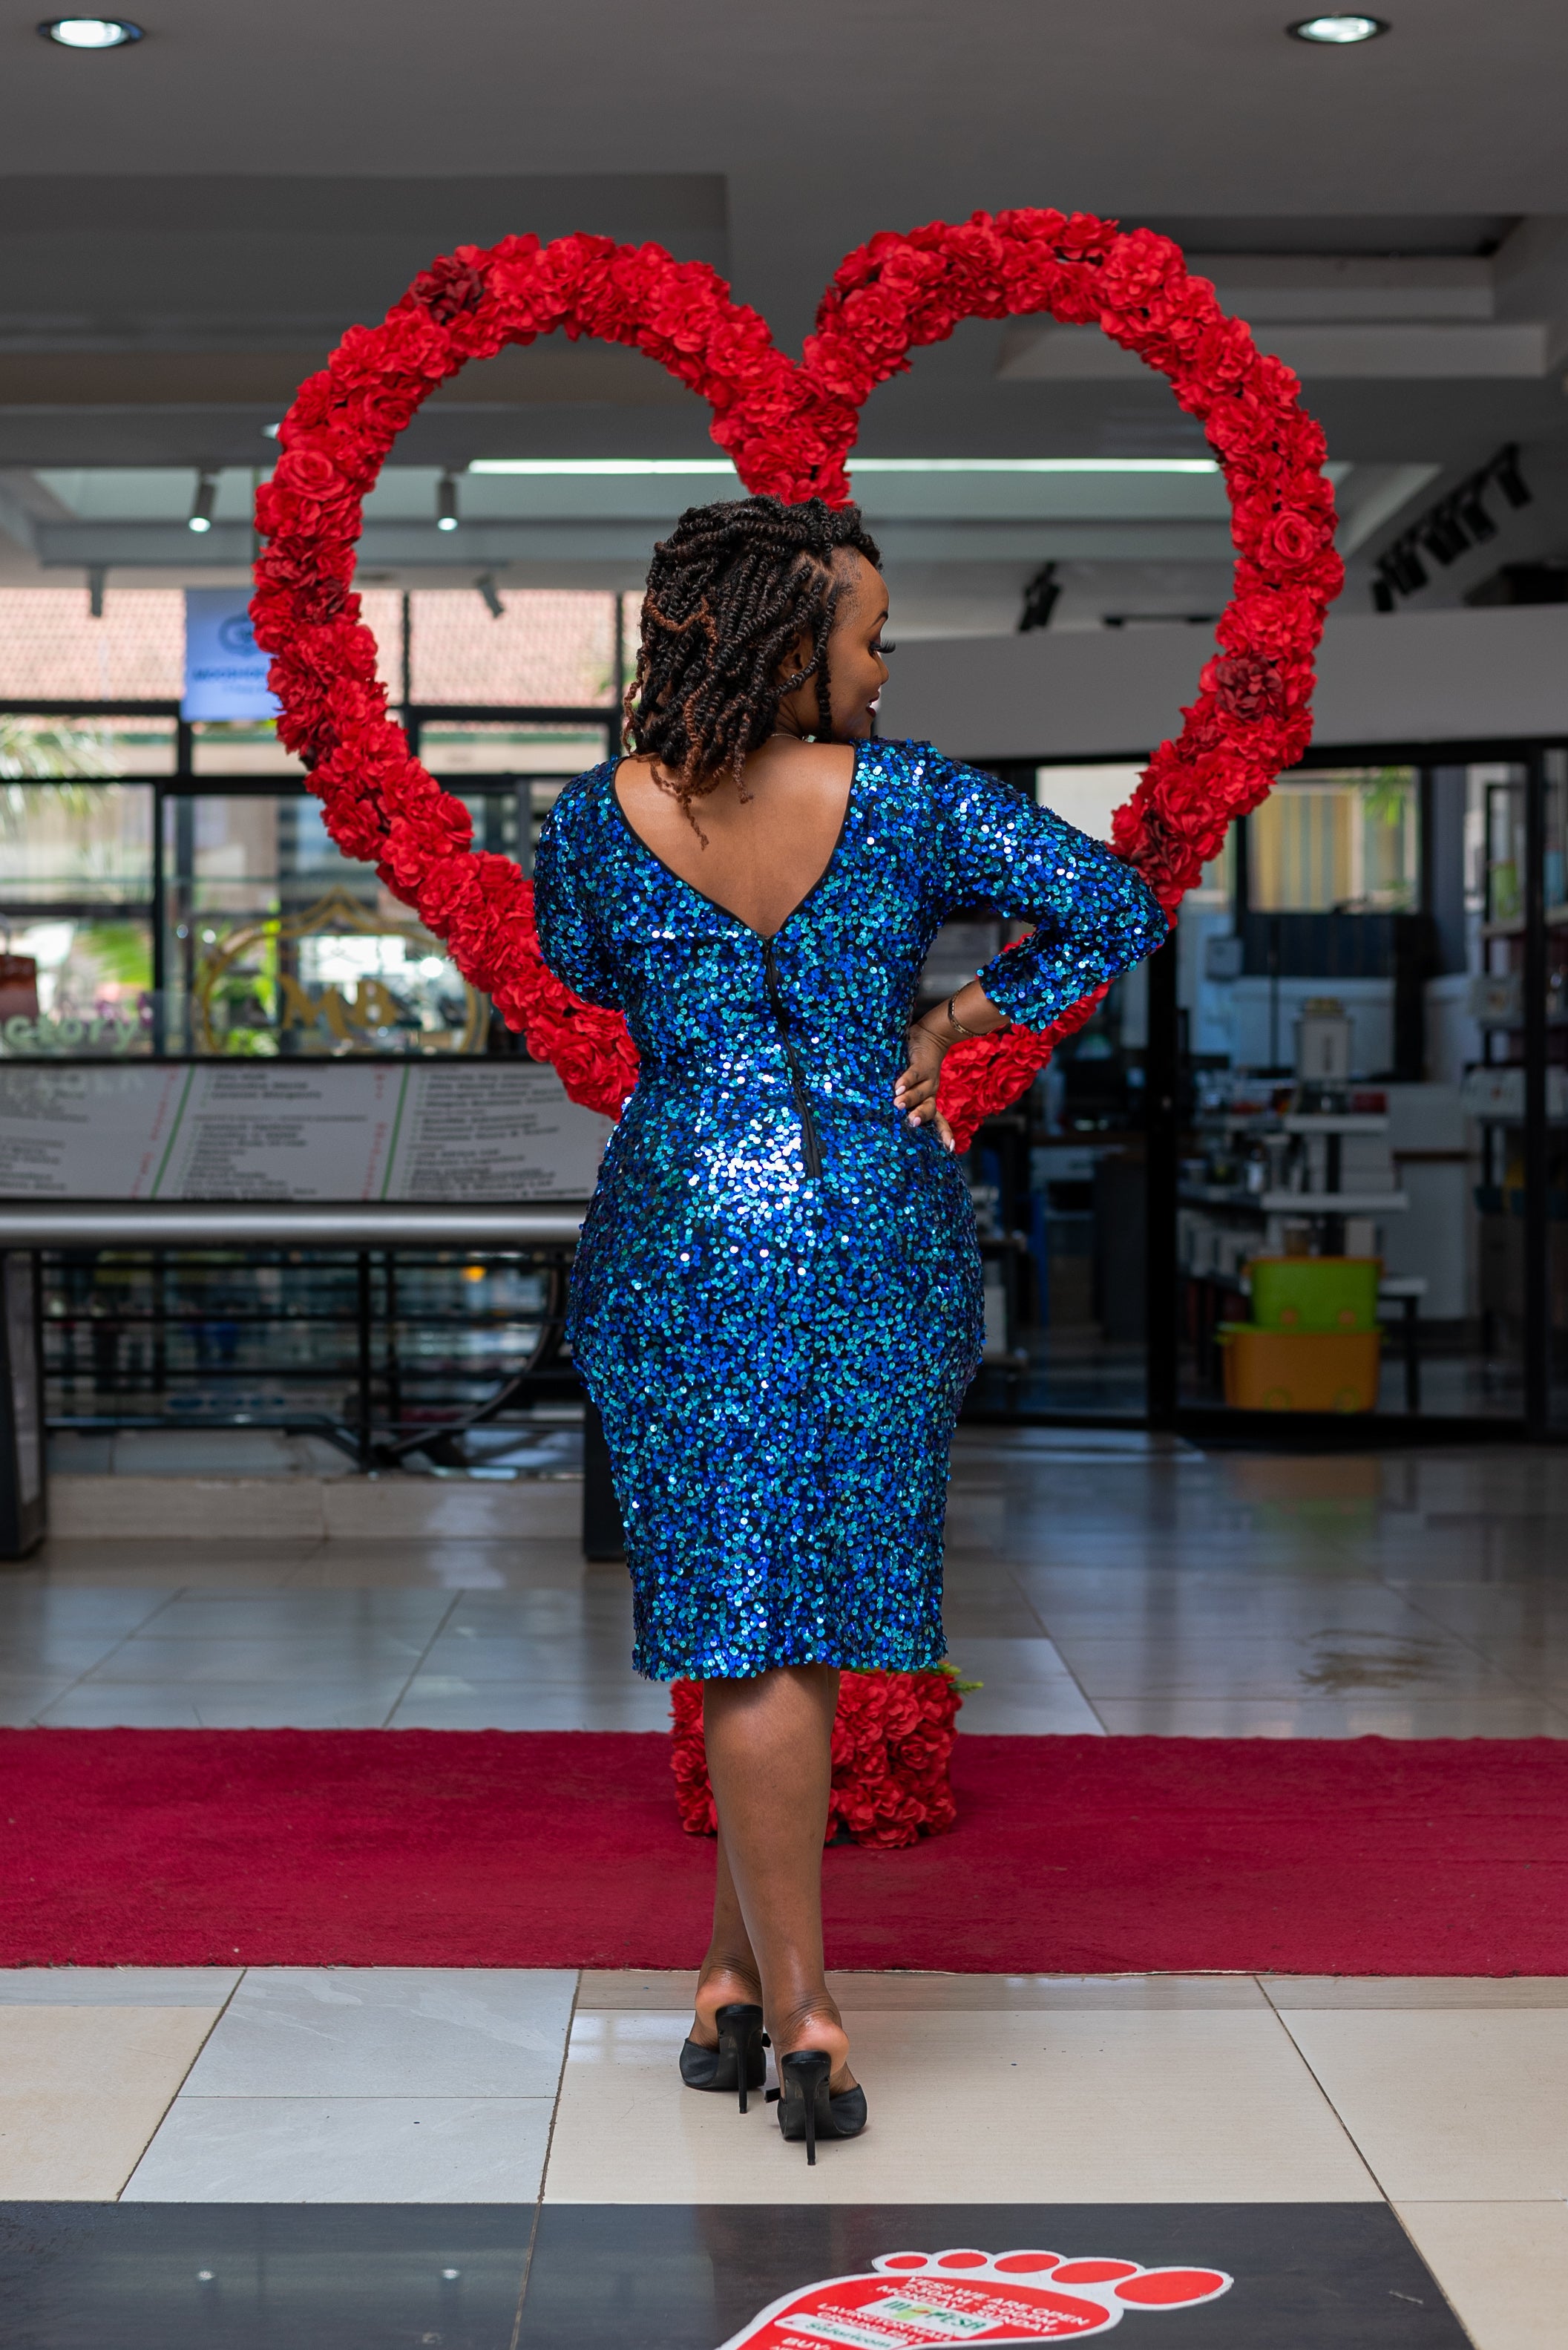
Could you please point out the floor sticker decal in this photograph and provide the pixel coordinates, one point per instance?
(934, 2276)
(920, 2301)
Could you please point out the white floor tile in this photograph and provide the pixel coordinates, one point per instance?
(346, 2150)
(1292, 1664)
(1025, 1689)
(304, 1614)
(1373, 1716)
(1415, 1991)
(25, 1698)
(42, 1653)
(82, 2089)
(1502, 2266)
(299, 1658)
(478, 1659)
(1060, 2106)
(34, 1605)
(389, 2031)
(205, 1987)
(1061, 1712)
(472, 1569)
(438, 1701)
(1464, 2106)
(902, 1994)
(216, 1705)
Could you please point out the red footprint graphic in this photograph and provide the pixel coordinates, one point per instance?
(934, 2300)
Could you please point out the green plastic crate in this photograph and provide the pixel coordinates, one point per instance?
(1314, 1293)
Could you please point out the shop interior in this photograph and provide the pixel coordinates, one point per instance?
(1365, 1070)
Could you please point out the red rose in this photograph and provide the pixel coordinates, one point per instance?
(356, 827)
(1291, 539)
(414, 344)
(1138, 266)
(1246, 685)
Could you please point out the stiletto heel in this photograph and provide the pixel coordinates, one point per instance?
(738, 2062)
(807, 2108)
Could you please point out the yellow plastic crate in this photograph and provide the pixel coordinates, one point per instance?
(1299, 1370)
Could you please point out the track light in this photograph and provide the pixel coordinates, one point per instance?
(1410, 573)
(1039, 600)
(1451, 528)
(202, 507)
(1474, 516)
(1505, 473)
(1443, 535)
(491, 595)
(446, 503)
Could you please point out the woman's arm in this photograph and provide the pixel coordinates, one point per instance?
(969, 1013)
(1093, 918)
(569, 937)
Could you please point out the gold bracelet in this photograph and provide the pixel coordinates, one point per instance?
(958, 1024)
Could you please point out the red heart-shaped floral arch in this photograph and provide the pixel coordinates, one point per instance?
(789, 428)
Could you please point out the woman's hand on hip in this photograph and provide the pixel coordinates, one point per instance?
(916, 1091)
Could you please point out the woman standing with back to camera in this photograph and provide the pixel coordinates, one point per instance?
(776, 1305)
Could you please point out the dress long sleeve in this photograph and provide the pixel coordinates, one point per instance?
(570, 939)
(1093, 916)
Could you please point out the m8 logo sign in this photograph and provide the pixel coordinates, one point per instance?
(918, 2301)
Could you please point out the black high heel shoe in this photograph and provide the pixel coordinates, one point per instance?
(807, 2108)
(738, 2062)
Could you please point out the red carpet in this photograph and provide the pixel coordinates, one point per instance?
(181, 1847)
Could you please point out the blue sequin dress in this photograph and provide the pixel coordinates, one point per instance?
(776, 1305)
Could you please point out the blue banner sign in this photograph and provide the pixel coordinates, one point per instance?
(225, 670)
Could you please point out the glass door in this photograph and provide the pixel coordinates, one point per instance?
(1060, 1181)
(1374, 1133)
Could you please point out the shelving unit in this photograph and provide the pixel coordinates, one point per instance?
(1506, 1276)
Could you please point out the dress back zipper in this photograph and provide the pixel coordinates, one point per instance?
(811, 1148)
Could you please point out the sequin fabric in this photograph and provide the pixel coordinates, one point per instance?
(776, 1305)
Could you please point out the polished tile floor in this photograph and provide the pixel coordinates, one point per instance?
(464, 2158)
(1094, 1583)
(1441, 2105)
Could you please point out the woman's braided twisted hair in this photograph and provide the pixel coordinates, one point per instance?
(729, 594)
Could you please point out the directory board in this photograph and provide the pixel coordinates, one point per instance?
(487, 1131)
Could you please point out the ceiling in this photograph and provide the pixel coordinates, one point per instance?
(186, 225)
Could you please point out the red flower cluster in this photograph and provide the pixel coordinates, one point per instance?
(789, 430)
(892, 1742)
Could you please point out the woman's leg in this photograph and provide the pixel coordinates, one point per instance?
(729, 1970)
(769, 1745)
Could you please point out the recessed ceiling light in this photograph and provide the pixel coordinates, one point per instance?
(1338, 32)
(90, 32)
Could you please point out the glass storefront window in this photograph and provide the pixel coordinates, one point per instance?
(76, 917)
(241, 748)
(279, 945)
(75, 985)
(1336, 842)
(538, 763)
(508, 746)
(38, 748)
(74, 840)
